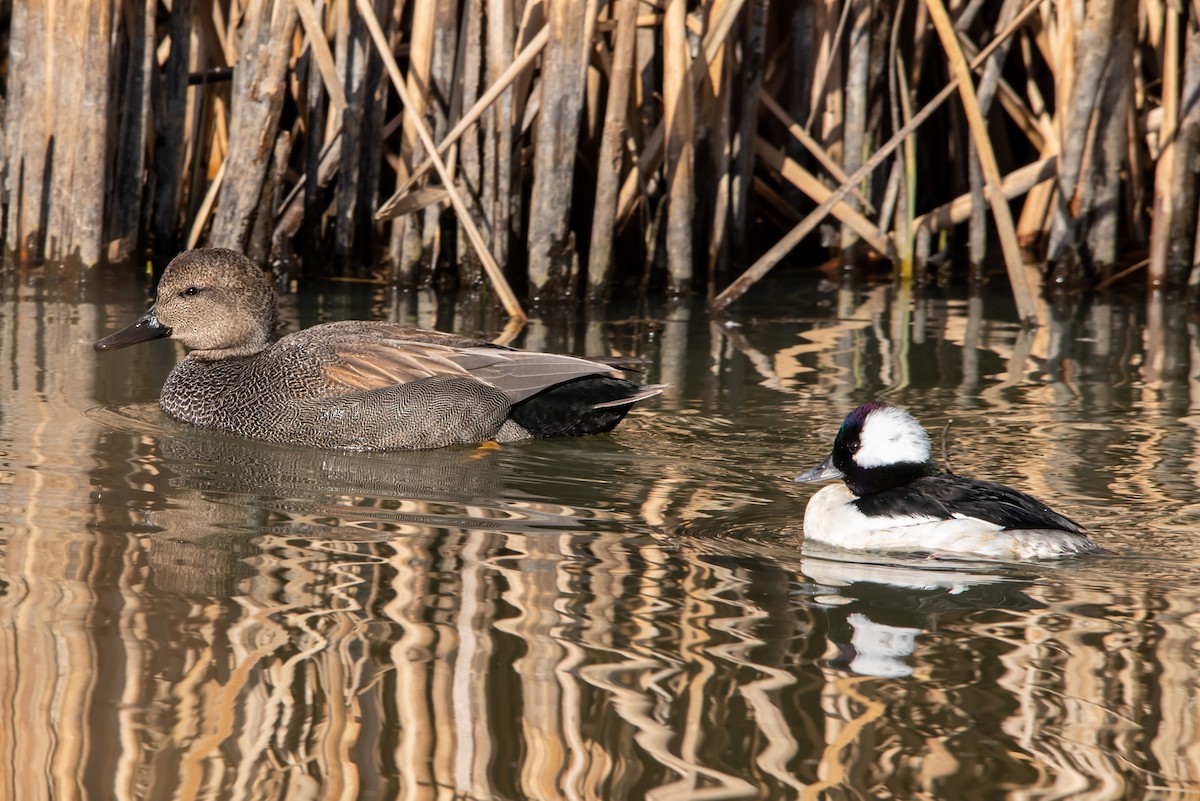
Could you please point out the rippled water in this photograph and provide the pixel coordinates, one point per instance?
(187, 615)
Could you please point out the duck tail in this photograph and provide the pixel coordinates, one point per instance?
(647, 391)
(590, 405)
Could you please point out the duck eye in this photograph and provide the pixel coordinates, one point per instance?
(854, 446)
(192, 290)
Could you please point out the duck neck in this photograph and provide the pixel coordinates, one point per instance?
(237, 340)
(869, 481)
(238, 352)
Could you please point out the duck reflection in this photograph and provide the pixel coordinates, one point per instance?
(877, 610)
(225, 495)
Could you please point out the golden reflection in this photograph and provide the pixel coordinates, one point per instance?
(188, 616)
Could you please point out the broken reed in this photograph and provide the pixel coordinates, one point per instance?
(565, 146)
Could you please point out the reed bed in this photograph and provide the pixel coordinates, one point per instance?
(553, 150)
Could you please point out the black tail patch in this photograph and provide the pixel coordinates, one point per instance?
(567, 410)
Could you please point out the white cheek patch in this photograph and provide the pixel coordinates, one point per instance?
(891, 436)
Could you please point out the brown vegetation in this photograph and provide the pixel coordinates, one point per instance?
(586, 143)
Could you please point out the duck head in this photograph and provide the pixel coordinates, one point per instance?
(215, 301)
(878, 447)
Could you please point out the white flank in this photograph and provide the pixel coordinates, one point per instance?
(832, 519)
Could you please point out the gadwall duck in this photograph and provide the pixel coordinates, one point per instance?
(356, 384)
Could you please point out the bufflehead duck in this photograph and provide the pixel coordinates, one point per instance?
(894, 498)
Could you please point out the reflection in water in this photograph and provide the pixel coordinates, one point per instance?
(187, 615)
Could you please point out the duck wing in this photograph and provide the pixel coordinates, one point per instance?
(360, 355)
(946, 497)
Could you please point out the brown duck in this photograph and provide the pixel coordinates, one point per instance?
(356, 384)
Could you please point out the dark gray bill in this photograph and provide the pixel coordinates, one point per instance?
(825, 471)
(143, 329)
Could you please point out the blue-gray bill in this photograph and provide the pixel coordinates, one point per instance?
(825, 471)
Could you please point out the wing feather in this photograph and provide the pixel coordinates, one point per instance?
(946, 497)
(358, 355)
(521, 374)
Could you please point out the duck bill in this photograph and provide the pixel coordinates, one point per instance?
(825, 471)
(143, 329)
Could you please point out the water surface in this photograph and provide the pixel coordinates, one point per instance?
(186, 615)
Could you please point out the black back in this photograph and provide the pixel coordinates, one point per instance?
(945, 496)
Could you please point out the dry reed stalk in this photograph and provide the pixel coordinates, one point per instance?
(1015, 184)
(352, 48)
(553, 260)
(260, 87)
(650, 157)
(910, 181)
(921, 33)
(919, 48)
(891, 196)
(172, 133)
(1037, 205)
(745, 121)
(1192, 79)
(1024, 282)
(1163, 218)
(527, 94)
(1181, 263)
(800, 57)
(498, 161)
(679, 119)
(812, 146)
(420, 60)
(304, 202)
(408, 247)
(499, 282)
(591, 12)
(58, 180)
(324, 160)
(441, 81)
(808, 183)
(315, 34)
(854, 119)
(717, 118)
(205, 209)
(989, 82)
(500, 87)
(124, 217)
(468, 76)
(1080, 121)
(826, 100)
(611, 160)
(905, 169)
(806, 226)
(1103, 234)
